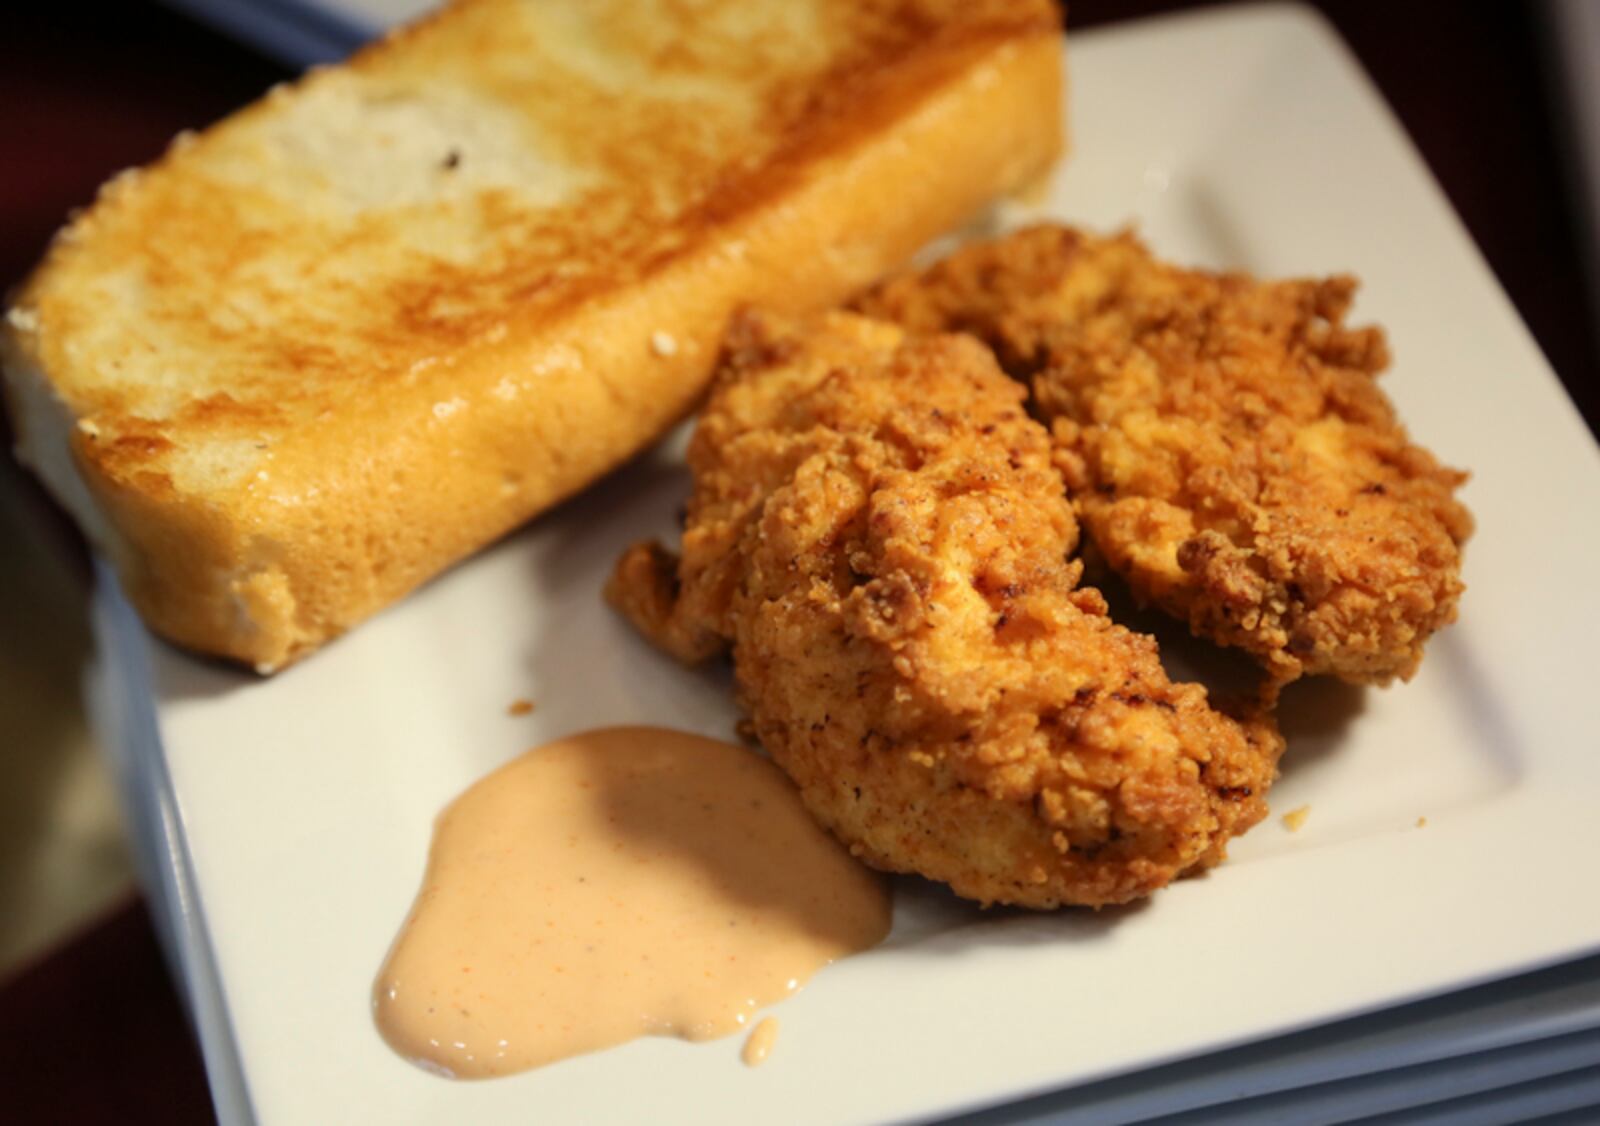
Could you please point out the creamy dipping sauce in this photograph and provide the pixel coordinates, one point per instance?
(620, 883)
(758, 1046)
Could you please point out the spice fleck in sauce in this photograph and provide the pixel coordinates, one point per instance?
(620, 883)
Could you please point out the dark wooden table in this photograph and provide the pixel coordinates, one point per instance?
(94, 1033)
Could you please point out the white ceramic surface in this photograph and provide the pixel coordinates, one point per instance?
(1242, 137)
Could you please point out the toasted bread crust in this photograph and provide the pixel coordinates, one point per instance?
(354, 446)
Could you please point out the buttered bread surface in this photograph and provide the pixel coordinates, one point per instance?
(326, 348)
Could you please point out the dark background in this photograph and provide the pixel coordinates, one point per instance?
(94, 1033)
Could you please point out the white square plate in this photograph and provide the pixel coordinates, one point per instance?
(299, 808)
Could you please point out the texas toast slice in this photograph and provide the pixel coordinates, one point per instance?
(322, 350)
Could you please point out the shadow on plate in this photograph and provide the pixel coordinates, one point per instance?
(1227, 674)
(932, 919)
(181, 675)
(1314, 714)
(1495, 733)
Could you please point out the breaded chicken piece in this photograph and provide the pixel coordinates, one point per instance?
(1225, 443)
(878, 533)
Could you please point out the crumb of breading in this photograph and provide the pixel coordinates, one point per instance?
(1295, 819)
(1421, 821)
(520, 707)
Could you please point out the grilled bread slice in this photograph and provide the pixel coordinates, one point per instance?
(324, 349)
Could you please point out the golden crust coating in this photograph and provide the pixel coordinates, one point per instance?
(1225, 443)
(878, 533)
(333, 344)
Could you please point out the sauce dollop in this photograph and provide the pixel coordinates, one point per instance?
(758, 1046)
(619, 883)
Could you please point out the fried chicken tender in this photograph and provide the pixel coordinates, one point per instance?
(879, 535)
(1225, 443)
